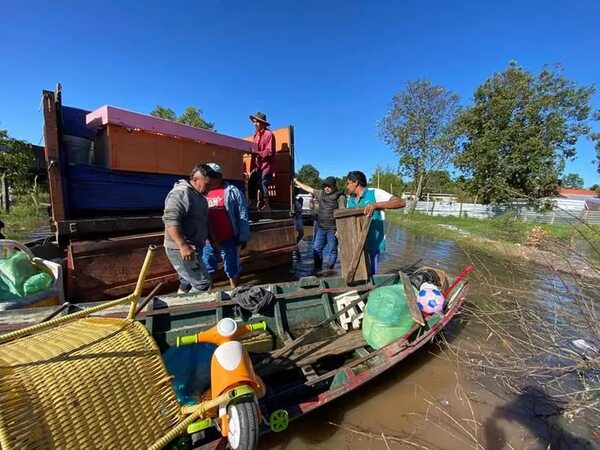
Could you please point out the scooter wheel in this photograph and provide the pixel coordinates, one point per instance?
(243, 423)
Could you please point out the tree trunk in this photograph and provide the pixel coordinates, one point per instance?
(419, 181)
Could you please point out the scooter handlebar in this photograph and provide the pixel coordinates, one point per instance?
(258, 326)
(186, 340)
(213, 336)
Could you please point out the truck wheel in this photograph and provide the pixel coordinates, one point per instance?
(243, 424)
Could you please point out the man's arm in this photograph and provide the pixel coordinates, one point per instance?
(303, 186)
(268, 145)
(175, 206)
(342, 201)
(385, 200)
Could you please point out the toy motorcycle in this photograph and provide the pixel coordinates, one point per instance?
(238, 417)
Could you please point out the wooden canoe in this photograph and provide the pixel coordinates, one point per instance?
(332, 363)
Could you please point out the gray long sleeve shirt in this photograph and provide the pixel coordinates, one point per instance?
(187, 208)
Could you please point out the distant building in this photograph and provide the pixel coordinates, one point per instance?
(583, 198)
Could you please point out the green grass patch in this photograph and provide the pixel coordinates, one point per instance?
(504, 228)
(24, 217)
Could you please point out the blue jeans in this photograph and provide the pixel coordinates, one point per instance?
(193, 276)
(374, 260)
(322, 238)
(229, 256)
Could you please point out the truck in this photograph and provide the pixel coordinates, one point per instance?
(109, 171)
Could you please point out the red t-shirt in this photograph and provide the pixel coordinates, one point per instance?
(217, 215)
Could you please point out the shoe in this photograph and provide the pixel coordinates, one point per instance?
(330, 266)
(181, 291)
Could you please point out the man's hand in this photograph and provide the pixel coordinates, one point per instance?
(187, 252)
(296, 182)
(370, 208)
(243, 244)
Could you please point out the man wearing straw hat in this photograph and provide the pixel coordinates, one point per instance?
(263, 163)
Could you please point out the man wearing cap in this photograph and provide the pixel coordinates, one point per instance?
(186, 229)
(228, 218)
(330, 199)
(374, 201)
(263, 162)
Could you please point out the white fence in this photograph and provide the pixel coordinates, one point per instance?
(558, 216)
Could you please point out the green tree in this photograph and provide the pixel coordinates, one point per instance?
(438, 182)
(419, 126)
(596, 138)
(191, 116)
(309, 175)
(164, 113)
(595, 187)
(387, 179)
(520, 131)
(573, 181)
(17, 160)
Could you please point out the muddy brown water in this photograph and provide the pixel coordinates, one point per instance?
(430, 400)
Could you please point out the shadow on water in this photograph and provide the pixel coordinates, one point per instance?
(541, 415)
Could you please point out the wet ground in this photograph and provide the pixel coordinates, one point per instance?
(434, 400)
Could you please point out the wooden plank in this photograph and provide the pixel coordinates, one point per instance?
(83, 227)
(111, 115)
(53, 155)
(348, 212)
(305, 355)
(411, 299)
(349, 227)
(359, 250)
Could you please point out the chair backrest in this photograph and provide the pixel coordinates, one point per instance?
(92, 383)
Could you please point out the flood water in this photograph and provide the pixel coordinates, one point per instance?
(432, 399)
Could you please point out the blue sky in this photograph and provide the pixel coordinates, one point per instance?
(330, 68)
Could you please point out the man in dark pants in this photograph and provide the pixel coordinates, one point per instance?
(330, 199)
(186, 229)
(263, 163)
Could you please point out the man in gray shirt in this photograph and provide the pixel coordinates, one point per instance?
(186, 229)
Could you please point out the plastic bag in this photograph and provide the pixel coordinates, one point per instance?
(37, 283)
(386, 317)
(15, 271)
(190, 367)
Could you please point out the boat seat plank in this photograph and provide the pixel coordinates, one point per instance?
(308, 354)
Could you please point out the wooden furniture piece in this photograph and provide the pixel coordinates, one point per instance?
(352, 227)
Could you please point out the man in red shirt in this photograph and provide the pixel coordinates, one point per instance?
(263, 163)
(228, 219)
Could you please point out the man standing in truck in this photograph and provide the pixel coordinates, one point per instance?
(228, 218)
(263, 163)
(186, 229)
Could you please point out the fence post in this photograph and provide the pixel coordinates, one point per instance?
(460, 210)
(5, 193)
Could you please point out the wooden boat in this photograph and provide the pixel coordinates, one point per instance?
(312, 372)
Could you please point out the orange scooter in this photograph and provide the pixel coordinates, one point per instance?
(231, 371)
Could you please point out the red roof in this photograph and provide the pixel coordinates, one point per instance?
(566, 192)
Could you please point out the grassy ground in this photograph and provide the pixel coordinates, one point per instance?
(24, 217)
(505, 228)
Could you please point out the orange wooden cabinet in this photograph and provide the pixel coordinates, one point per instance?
(122, 148)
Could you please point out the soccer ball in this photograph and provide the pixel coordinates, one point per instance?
(430, 299)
